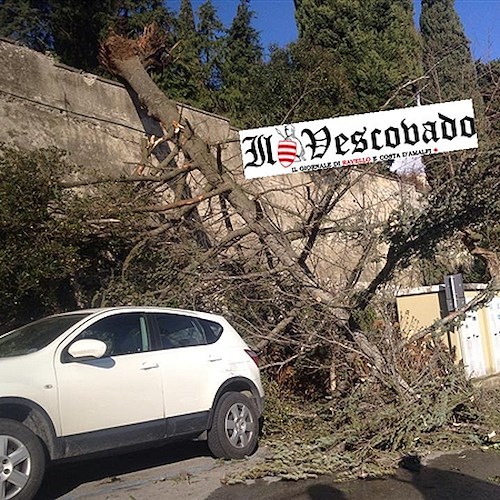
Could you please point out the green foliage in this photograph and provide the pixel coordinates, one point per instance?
(185, 21)
(451, 74)
(26, 21)
(366, 318)
(489, 85)
(297, 83)
(72, 29)
(466, 202)
(286, 414)
(38, 255)
(366, 431)
(152, 275)
(210, 32)
(374, 44)
(447, 55)
(240, 60)
(182, 77)
(76, 28)
(59, 246)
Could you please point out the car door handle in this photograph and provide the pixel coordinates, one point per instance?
(214, 358)
(149, 366)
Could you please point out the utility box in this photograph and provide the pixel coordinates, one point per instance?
(476, 341)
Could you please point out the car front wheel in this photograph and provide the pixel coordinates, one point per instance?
(22, 461)
(235, 427)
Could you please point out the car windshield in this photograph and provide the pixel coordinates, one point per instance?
(37, 335)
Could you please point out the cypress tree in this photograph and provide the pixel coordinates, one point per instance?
(451, 73)
(241, 62)
(181, 79)
(186, 19)
(210, 30)
(189, 75)
(446, 53)
(374, 45)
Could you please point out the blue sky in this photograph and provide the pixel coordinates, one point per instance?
(276, 23)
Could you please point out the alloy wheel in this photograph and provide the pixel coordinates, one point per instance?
(239, 425)
(15, 466)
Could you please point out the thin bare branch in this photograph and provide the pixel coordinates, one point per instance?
(184, 202)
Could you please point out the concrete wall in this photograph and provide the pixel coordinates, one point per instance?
(43, 103)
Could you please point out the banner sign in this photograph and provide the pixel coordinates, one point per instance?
(358, 139)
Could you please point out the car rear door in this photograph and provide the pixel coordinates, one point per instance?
(191, 365)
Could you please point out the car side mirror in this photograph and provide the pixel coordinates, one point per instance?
(87, 348)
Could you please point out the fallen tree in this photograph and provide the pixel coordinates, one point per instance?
(408, 234)
(183, 230)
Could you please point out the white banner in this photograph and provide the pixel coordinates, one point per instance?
(358, 139)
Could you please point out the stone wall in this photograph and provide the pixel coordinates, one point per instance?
(44, 103)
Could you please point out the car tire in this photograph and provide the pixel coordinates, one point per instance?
(22, 461)
(235, 427)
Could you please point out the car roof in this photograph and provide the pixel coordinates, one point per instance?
(101, 310)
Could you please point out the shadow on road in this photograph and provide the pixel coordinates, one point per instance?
(412, 481)
(65, 477)
(438, 484)
(325, 492)
(310, 489)
(453, 477)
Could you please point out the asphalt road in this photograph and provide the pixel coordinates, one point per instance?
(186, 471)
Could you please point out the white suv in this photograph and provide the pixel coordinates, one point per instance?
(105, 379)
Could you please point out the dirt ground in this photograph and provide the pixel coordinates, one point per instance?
(186, 471)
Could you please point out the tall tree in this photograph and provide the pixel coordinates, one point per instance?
(182, 76)
(451, 73)
(295, 84)
(374, 44)
(186, 19)
(242, 60)
(27, 22)
(278, 91)
(446, 53)
(210, 32)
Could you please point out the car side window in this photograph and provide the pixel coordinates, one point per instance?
(179, 331)
(213, 330)
(122, 333)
